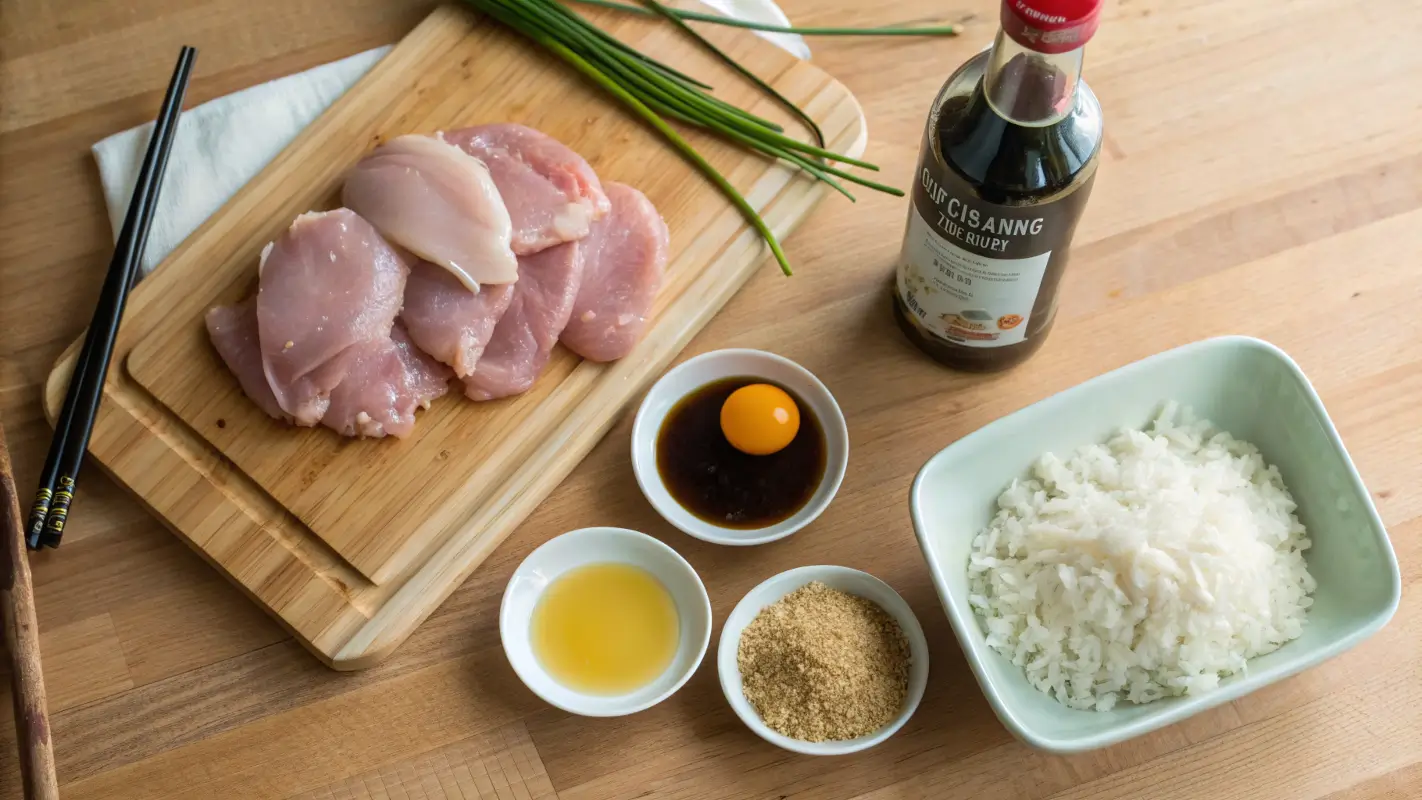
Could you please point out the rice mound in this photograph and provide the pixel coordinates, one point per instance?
(1150, 566)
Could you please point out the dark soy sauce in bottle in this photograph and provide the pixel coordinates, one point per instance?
(1008, 158)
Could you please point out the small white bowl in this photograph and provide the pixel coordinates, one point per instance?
(844, 579)
(600, 546)
(715, 365)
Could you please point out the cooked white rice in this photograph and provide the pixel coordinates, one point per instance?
(1152, 565)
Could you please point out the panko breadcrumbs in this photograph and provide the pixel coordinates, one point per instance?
(824, 665)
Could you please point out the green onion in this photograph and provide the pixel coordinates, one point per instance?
(735, 65)
(657, 93)
(731, 22)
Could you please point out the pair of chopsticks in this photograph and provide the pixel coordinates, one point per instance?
(86, 386)
(17, 603)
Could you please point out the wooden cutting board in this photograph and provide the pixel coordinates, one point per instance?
(351, 544)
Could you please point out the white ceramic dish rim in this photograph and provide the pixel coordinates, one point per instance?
(644, 428)
(964, 619)
(727, 647)
(561, 540)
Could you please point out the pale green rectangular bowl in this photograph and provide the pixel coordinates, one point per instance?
(1247, 387)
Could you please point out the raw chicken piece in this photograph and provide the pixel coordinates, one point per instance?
(328, 284)
(439, 203)
(542, 300)
(447, 320)
(552, 196)
(234, 333)
(623, 258)
(551, 193)
(385, 382)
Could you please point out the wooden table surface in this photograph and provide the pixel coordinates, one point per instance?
(1262, 174)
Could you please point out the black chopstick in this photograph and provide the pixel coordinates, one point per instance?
(81, 403)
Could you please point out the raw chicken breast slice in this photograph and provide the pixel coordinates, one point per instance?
(447, 320)
(386, 381)
(234, 333)
(623, 258)
(551, 192)
(542, 300)
(438, 202)
(328, 284)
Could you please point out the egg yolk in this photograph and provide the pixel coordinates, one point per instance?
(760, 419)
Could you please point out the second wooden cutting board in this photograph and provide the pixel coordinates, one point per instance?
(353, 543)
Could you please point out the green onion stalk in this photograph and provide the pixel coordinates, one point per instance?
(732, 22)
(656, 93)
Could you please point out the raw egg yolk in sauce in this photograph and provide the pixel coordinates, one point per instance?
(760, 419)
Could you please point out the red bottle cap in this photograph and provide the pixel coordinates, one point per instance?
(1050, 26)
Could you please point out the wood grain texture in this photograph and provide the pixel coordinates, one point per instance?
(1262, 165)
(494, 766)
(352, 543)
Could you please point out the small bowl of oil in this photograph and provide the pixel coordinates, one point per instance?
(604, 622)
(739, 447)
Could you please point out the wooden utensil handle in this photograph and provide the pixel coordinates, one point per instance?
(22, 642)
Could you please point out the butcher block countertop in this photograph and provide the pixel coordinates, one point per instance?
(1262, 174)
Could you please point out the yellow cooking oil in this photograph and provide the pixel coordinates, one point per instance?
(605, 628)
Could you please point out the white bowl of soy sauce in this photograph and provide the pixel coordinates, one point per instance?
(707, 488)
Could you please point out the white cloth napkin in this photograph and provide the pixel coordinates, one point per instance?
(224, 143)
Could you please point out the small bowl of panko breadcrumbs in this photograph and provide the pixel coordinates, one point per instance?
(823, 660)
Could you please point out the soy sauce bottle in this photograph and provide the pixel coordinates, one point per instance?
(1009, 154)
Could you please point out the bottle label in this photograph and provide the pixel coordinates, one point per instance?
(970, 271)
(969, 299)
